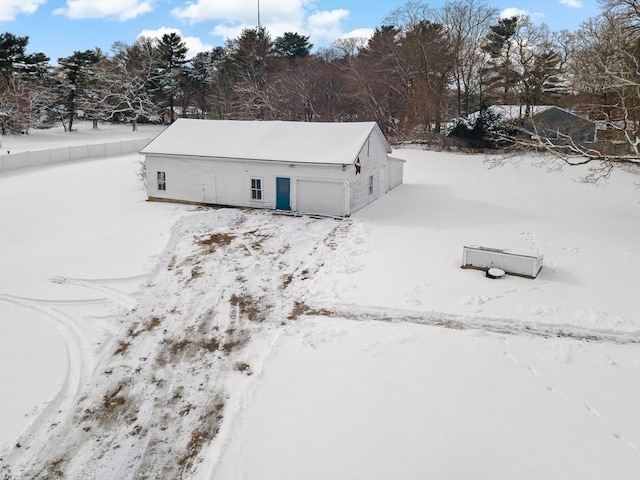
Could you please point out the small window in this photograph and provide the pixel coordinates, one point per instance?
(256, 189)
(370, 184)
(162, 181)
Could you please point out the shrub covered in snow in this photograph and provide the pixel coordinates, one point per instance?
(483, 128)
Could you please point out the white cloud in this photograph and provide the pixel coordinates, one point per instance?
(518, 12)
(290, 12)
(227, 30)
(571, 3)
(10, 9)
(194, 44)
(230, 17)
(514, 12)
(112, 9)
(360, 33)
(327, 25)
(278, 16)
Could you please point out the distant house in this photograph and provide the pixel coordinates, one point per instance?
(545, 121)
(556, 124)
(307, 167)
(508, 113)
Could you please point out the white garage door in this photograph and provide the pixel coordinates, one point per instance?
(326, 198)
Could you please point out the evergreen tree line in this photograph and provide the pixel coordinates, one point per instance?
(422, 68)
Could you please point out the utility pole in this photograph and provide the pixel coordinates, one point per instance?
(258, 13)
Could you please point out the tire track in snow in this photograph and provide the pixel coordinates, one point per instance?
(79, 369)
(98, 285)
(80, 363)
(47, 302)
(461, 322)
(224, 277)
(499, 326)
(134, 278)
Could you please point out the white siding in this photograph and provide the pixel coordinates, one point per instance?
(396, 172)
(327, 188)
(209, 187)
(373, 160)
(228, 181)
(326, 198)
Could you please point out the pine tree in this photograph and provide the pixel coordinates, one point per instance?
(77, 76)
(23, 82)
(292, 45)
(499, 47)
(173, 53)
(250, 57)
(14, 59)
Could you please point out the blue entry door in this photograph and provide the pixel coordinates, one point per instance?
(283, 193)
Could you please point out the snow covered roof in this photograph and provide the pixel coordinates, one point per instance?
(299, 142)
(510, 112)
(515, 112)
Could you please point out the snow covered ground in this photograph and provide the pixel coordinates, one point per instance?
(150, 340)
(83, 134)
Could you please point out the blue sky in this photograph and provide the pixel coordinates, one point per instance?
(59, 27)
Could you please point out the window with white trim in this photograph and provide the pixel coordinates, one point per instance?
(370, 184)
(256, 189)
(162, 181)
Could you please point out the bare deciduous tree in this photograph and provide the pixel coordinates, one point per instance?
(467, 23)
(127, 82)
(605, 65)
(428, 50)
(382, 81)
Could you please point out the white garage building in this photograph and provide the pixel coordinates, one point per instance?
(307, 167)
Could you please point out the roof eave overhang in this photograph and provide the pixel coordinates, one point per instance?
(391, 157)
(253, 160)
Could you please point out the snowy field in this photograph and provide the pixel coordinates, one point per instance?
(83, 134)
(152, 340)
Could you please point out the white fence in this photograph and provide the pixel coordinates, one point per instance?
(483, 258)
(14, 161)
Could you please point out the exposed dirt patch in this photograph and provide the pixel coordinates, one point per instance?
(113, 405)
(187, 348)
(243, 367)
(196, 272)
(255, 239)
(211, 345)
(212, 241)
(177, 395)
(286, 280)
(151, 324)
(186, 409)
(114, 399)
(235, 339)
(332, 240)
(134, 332)
(54, 469)
(208, 427)
(122, 348)
(248, 306)
(177, 348)
(173, 350)
(165, 382)
(301, 308)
